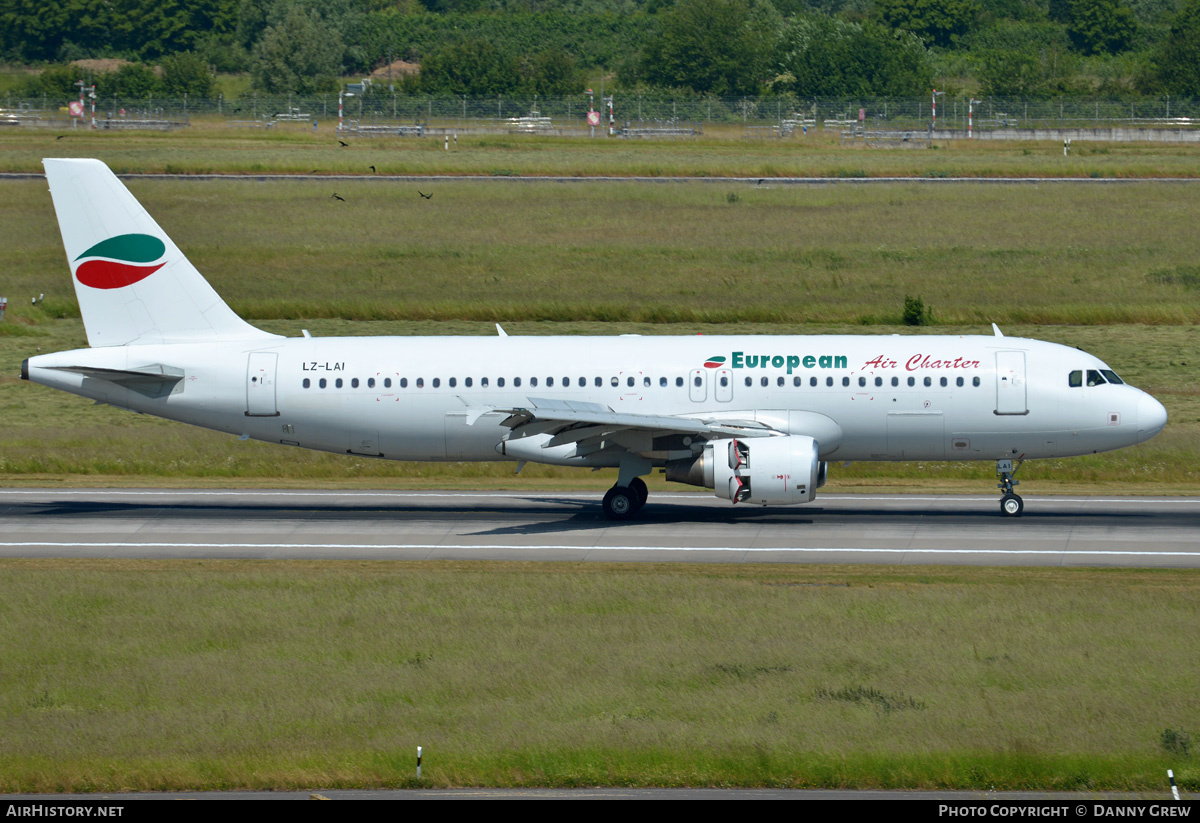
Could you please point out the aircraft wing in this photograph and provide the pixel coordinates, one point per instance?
(565, 417)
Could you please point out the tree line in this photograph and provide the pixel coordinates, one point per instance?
(1016, 48)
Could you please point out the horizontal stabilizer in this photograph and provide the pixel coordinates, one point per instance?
(155, 380)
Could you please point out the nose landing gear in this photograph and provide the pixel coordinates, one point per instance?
(1011, 504)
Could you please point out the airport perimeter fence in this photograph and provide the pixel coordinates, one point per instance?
(769, 116)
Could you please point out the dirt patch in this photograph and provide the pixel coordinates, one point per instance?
(106, 64)
(399, 69)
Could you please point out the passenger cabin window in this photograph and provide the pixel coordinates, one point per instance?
(499, 382)
(764, 382)
(467, 381)
(404, 382)
(387, 382)
(453, 382)
(533, 381)
(437, 382)
(322, 383)
(338, 383)
(662, 382)
(420, 382)
(895, 381)
(749, 381)
(700, 381)
(307, 382)
(845, 381)
(370, 382)
(679, 382)
(483, 382)
(796, 381)
(516, 381)
(354, 383)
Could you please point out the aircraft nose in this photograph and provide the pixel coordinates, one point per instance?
(1151, 417)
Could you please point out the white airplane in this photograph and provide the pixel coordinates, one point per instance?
(754, 418)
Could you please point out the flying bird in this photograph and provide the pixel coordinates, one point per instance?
(344, 143)
(60, 137)
(373, 170)
(335, 197)
(423, 194)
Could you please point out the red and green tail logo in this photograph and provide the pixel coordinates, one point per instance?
(714, 362)
(120, 261)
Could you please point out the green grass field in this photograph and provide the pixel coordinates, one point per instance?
(157, 674)
(1046, 254)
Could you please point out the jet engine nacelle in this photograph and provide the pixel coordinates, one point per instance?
(770, 470)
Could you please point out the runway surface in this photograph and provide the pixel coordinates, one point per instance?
(545, 526)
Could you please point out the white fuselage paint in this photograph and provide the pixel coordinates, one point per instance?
(1022, 403)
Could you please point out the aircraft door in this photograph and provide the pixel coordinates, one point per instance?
(260, 384)
(698, 385)
(724, 385)
(1010, 383)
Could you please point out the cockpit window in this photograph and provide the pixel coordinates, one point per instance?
(1112, 376)
(1094, 378)
(1076, 379)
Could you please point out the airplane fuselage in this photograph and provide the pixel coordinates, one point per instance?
(444, 398)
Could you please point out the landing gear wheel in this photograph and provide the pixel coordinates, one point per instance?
(638, 486)
(1011, 504)
(620, 503)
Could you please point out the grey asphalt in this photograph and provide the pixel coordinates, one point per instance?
(1101, 531)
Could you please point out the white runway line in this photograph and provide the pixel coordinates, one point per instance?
(510, 547)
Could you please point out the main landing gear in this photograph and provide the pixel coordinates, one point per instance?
(623, 502)
(1011, 504)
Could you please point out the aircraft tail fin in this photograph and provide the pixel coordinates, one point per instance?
(134, 286)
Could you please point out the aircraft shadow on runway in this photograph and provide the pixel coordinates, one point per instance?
(540, 514)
